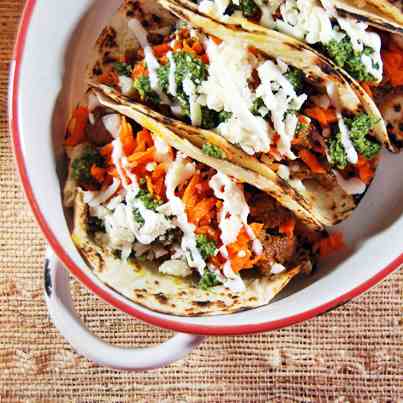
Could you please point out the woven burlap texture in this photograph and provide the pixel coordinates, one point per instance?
(351, 354)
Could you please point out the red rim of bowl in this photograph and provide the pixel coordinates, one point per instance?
(108, 297)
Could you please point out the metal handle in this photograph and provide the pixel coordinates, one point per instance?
(61, 311)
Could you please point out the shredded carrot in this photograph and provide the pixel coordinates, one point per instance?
(184, 33)
(211, 232)
(311, 161)
(144, 140)
(159, 187)
(240, 253)
(204, 58)
(216, 40)
(161, 50)
(198, 48)
(393, 66)
(112, 171)
(253, 50)
(76, 131)
(109, 78)
(150, 186)
(98, 173)
(187, 48)
(367, 89)
(190, 195)
(139, 71)
(106, 150)
(202, 211)
(178, 45)
(324, 116)
(333, 243)
(365, 171)
(126, 137)
(141, 157)
(287, 228)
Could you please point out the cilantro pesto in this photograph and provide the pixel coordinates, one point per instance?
(343, 54)
(213, 151)
(359, 128)
(296, 78)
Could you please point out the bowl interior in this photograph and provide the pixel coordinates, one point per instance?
(44, 94)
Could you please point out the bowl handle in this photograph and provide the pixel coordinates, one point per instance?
(61, 311)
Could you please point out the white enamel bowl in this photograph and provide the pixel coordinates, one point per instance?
(47, 80)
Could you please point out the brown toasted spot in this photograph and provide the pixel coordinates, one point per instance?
(161, 298)
(201, 303)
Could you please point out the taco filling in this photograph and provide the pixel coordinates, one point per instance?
(346, 41)
(148, 202)
(265, 107)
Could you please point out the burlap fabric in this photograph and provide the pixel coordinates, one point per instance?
(351, 354)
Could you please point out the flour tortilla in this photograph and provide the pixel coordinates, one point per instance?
(381, 14)
(143, 283)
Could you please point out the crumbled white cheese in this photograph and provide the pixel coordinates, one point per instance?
(227, 88)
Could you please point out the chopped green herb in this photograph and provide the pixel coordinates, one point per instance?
(187, 66)
(343, 54)
(359, 128)
(143, 87)
(208, 280)
(81, 167)
(337, 153)
(138, 217)
(206, 246)
(213, 151)
(95, 224)
(123, 69)
(296, 78)
(148, 201)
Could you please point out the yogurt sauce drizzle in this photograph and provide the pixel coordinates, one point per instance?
(233, 217)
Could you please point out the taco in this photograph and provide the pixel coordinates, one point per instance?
(172, 228)
(276, 107)
(355, 35)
